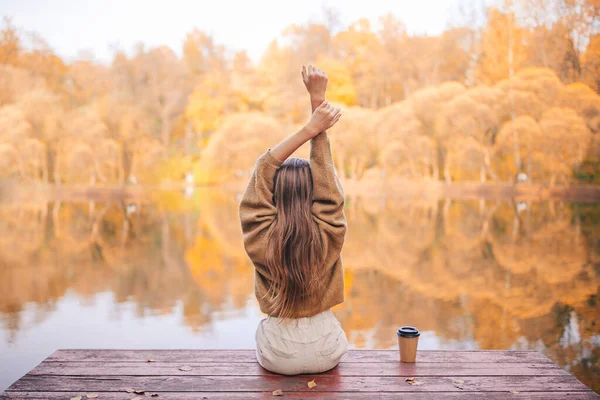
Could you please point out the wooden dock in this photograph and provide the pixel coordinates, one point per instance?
(235, 374)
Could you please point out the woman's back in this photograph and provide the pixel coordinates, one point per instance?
(258, 214)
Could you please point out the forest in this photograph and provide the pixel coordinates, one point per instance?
(505, 94)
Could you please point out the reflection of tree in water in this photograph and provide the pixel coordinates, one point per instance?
(25, 273)
(389, 235)
(21, 230)
(495, 266)
(217, 259)
(377, 305)
(542, 238)
(135, 251)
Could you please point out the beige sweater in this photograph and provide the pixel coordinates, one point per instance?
(257, 213)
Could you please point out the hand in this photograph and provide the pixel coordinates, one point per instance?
(315, 81)
(324, 117)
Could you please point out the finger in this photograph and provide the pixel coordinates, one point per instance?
(336, 112)
(311, 69)
(336, 119)
(304, 76)
(323, 105)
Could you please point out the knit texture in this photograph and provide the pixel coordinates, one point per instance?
(258, 212)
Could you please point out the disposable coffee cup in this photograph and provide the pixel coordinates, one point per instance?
(408, 338)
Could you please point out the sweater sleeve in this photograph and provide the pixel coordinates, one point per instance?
(257, 210)
(328, 199)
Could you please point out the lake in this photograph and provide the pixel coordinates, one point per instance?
(170, 271)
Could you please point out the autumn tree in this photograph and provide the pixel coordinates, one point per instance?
(10, 43)
(355, 144)
(503, 47)
(591, 63)
(566, 141)
(404, 149)
(360, 46)
(509, 160)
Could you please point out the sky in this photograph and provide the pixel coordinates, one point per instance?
(101, 26)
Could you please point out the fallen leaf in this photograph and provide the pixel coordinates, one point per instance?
(76, 398)
(312, 384)
(410, 379)
(514, 391)
(91, 395)
(277, 392)
(130, 390)
(139, 391)
(154, 395)
(459, 381)
(151, 360)
(185, 368)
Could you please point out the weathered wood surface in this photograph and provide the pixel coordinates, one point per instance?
(326, 383)
(247, 356)
(234, 374)
(84, 368)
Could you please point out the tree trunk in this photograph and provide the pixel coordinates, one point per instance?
(511, 73)
(165, 127)
(189, 135)
(447, 177)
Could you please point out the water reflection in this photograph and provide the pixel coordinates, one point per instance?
(473, 274)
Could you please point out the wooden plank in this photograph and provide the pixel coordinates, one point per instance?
(248, 356)
(333, 383)
(254, 369)
(308, 395)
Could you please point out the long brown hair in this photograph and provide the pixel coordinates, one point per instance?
(295, 247)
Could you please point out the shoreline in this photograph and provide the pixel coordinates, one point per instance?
(12, 191)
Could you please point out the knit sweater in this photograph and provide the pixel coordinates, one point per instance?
(258, 212)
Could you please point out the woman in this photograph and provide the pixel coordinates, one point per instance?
(292, 216)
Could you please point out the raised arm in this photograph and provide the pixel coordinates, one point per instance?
(257, 210)
(324, 116)
(328, 195)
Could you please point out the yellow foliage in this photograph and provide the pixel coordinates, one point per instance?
(567, 140)
(525, 132)
(353, 141)
(205, 106)
(340, 87)
(503, 47)
(543, 82)
(234, 147)
(591, 63)
(174, 169)
(585, 101)
(466, 160)
(426, 102)
(464, 117)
